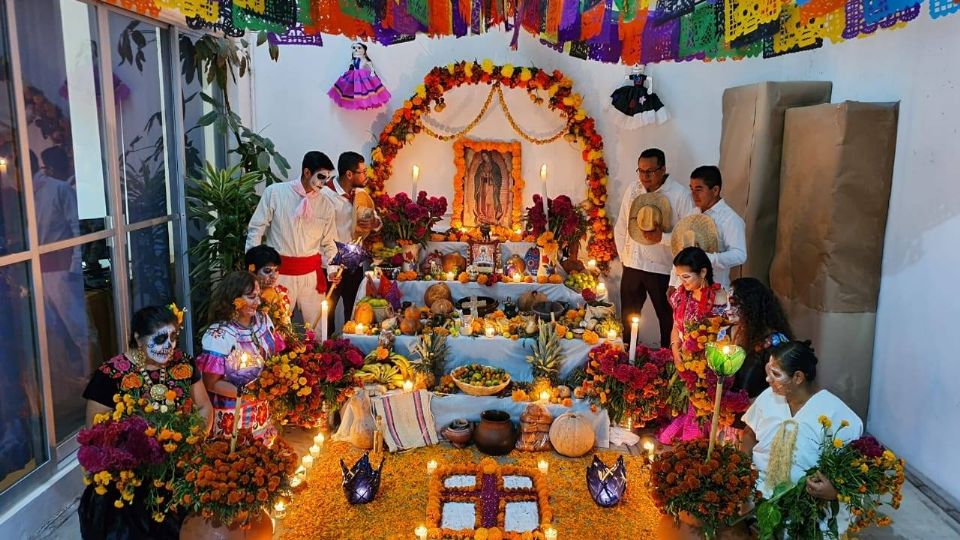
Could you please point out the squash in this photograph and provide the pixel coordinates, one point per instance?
(453, 262)
(529, 299)
(412, 313)
(364, 314)
(436, 292)
(571, 435)
(441, 307)
(409, 327)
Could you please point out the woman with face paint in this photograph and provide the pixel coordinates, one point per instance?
(759, 324)
(150, 368)
(783, 430)
(696, 299)
(235, 349)
(264, 262)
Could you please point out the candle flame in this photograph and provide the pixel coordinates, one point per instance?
(543, 171)
(416, 172)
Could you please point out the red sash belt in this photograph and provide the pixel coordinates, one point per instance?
(299, 266)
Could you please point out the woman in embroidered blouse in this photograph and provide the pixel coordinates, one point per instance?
(696, 299)
(235, 348)
(152, 365)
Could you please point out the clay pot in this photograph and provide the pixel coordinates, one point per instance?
(197, 528)
(459, 433)
(495, 435)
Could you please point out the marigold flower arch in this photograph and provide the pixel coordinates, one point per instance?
(559, 96)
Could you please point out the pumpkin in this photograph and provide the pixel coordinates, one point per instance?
(528, 299)
(436, 292)
(409, 327)
(364, 314)
(454, 262)
(442, 307)
(571, 435)
(412, 313)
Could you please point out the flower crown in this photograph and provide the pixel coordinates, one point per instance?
(178, 313)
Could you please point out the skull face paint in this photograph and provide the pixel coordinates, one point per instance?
(268, 276)
(161, 344)
(777, 378)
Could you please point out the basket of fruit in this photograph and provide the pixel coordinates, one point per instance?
(381, 308)
(478, 380)
(578, 281)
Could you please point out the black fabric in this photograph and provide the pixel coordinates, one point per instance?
(635, 286)
(101, 520)
(347, 290)
(634, 99)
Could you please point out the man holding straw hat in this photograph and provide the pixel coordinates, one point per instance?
(642, 234)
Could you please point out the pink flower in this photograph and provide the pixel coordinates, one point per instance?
(335, 372)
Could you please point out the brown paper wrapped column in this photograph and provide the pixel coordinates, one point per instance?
(835, 189)
(750, 149)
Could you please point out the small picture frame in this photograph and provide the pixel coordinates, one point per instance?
(485, 256)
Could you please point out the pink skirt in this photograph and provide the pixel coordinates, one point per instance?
(359, 89)
(684, 428)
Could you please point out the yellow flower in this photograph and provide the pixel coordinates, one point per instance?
(158, 517)
(239, 303)
(487, 66)
(507, 70)
(889, 456)
(825, 422)
(468, 69)
(844, 423)
(421, 91)
(451, 68)
(837, 443)
(100, 490)
(864, 468)
(118, 503)
(525, 75)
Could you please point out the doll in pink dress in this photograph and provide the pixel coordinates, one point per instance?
(359, 87)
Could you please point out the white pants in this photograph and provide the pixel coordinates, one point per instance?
(302, 291)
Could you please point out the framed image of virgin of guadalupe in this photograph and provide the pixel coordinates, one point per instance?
(488, 187)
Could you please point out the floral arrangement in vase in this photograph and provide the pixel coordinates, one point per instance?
(567, 222)
(409, 222)
(232, 488)
(703, 490)
(866, 476)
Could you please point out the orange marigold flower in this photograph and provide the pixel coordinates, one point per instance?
(181, 372)
(131, 381)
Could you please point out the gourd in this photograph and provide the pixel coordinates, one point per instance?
(436, 292)
(529, 299)
(453, 262)
(364, 314)
(409, 326)
(441, 306)
(571, 435)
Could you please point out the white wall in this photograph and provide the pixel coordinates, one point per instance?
(915, 406)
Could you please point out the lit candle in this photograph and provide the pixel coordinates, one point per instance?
(726, 349)
(324, 313)
(611, 334)
(280, 510)
(296, 481)
(490, 331)
(315, 451)
(431, 466)
(543, 180)
(648, 446)
(3, 165)
(545, 395)
(601, 289)
(592, 265)
(416, 176)
(421, 532)
(318, 439)
(549, 533)
(450, 276)
(634, 329)
(407, 386)
(307, 462)
(361, 328)
(543, 466)
(517, 277)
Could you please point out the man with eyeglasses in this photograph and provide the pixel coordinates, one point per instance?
(297, 221)
(647, 264)
(352, 169)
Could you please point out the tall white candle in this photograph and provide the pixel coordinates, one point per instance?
(324, 313)
(421, 532)
(634, 329)
(416, 176)
(543, 181)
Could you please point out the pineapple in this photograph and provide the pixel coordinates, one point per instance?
(546, 354)
(432, 350)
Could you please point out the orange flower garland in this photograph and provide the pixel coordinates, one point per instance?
(459, 151)
(407, 122)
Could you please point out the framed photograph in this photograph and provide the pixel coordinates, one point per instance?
(488, 188)
(484, 256)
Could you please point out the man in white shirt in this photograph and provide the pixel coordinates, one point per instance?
(705, 185)
(352, 170)
(646, 266)
(297, 221)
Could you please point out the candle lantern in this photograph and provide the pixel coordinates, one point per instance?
(361, 482)
(607, 485)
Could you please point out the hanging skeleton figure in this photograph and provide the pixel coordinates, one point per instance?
(637, 102)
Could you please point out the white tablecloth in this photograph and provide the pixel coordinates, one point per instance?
(496, 351)
(413, 290)
(446, 409)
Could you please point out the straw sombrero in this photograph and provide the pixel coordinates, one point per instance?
(697, 230)
(362, 205)
(648, 212)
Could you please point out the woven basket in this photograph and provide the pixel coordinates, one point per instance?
(472, 390)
